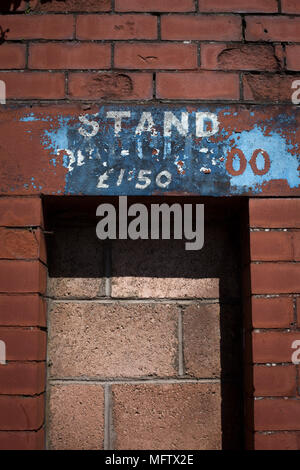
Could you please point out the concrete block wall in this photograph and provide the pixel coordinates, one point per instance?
(233, 51)
(143, 339)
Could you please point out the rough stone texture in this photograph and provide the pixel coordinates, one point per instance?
(167, 416)
(164, 269)
(76, 266)
(201, 339)
(112, 340)
(76, 417)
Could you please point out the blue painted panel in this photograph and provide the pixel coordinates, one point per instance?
(166, 153)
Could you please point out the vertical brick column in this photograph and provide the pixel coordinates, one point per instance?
(22, 323)
(275, 286)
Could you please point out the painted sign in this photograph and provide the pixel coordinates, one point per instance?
(145, 150)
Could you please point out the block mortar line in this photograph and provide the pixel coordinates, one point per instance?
(181, 370)
(107, 417)
(133, 381)
(112, 300)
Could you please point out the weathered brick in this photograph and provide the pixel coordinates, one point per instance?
(34, 85)
(274, 381)
(112, 340)
(200, 85)
(22, 378)
(274, 213)
(292, 57)
(273, 346)
(22, 310)
(277, 441)
(13, 6)
(268, 88)
(238, 57)
(12, 56)
(22, 276)
(272, 28)
(290, 6)
(271, 246)
(240, 6)
(277, 414)
(77, 288)
(129, 86)
(279, 278)
(24, 344)
(155, 56)
(201, 332)
(20, 212)
(76, 417)
(155, 5)
(69, 56)
(201, 27)
(71, 5)
(37, 26)
(18, 413)
(22, 244)
(272, 312)
(191, 411)
(18, 440)
(116, 27)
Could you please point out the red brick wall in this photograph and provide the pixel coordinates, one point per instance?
(207, 50)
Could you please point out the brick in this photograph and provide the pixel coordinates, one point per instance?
(168, 6)
(268, 88)
(272, 28)
(274, 213)
(201, 332)
(20, 212)
(22, 379)
(22, 310)
(239, 6)
(37, 26)
(275, 381)
(271, 278)
(12, 56)
(272, 312)
(34, 85)
(273, 346)
(277, 415)
(75, 288)
(111, 340)
(164, 269)
(271, 246)
(69, 56)
(18, 413)
(290, 6)
(191, 411)
(277, 441)
(22, 244)
(24, 344)
(129, 86)
(116, 27)
(76, 417)
(156, 56)
(11, 440)
(200, 85)
(72, 5)
(22, 276)
(238, 57)
(293, 57)
(201, 27)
